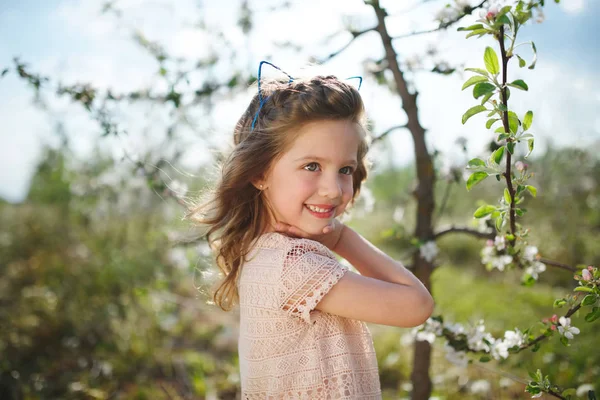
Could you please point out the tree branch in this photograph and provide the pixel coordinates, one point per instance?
(473, 232)
(355, 34)
(444, 25)
(387, 132)
(557, 264)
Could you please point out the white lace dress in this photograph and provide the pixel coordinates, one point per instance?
(287, 349)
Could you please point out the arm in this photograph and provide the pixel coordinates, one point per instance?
(386, 293)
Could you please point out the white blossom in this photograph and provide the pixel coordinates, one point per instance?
(501, 262)
(476, 336)
(423, 336)
(566, 329)
(500, 243)
(535, 269)
(446, 13)
(429, 250)
(535, 396)
(456, 328)
(511, 338)
(530, 253)
(480, 386)
(458, 358)
(398, 215)
(487, 254)
(583, 389)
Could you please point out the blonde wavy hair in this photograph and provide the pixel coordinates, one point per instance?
(235, 212)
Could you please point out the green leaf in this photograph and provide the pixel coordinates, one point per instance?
(532, 376)
(497, 155)
(502, 136)
(589, 300)
(475, 178)
(484, 211)
(519, 84)
(485, 98)
(502, 20)
(527, 120)
(470, 28)
(558, 303)
(583, 289)
(532, 190)
(530, 145)
(502, 107)
(473, 80)
(564, 341)
(513, 122)
(491, 61)
(476, 162)
(479, 32)
(510, 146)
(507, 196)
(478, 71)
(532, 66)
(522, 62)
(472, 111)
(491, 122)
(482, 88)
(592, 315)
(485, 359)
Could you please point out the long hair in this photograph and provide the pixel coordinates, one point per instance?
(236, 212)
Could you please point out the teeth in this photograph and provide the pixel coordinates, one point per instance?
(317, 209)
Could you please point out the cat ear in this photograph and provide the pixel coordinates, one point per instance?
(360, 79)
(262, 100)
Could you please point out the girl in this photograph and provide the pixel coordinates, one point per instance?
(298, 162)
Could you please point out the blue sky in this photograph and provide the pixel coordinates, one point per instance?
(71, 40)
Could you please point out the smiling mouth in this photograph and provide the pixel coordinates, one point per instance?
(320, 212)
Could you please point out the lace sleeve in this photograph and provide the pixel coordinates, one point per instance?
(306, 277)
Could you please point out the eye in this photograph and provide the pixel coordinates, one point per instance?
(313, 166)
(347, 170)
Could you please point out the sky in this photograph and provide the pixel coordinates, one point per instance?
(72, 41)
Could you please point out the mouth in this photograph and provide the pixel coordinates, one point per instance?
(320, 211)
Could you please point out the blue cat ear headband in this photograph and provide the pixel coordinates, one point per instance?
(262, 100)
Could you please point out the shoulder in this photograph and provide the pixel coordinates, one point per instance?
(293, 247)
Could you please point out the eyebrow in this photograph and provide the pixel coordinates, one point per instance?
(321, 159)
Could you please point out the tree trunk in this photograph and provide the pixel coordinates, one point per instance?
(423, 194)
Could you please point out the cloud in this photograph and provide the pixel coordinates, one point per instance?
(573, 6)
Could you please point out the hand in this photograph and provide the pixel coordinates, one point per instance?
(330, 237)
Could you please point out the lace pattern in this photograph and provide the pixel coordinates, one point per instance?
(287, 348)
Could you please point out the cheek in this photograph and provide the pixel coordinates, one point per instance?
(347, 191)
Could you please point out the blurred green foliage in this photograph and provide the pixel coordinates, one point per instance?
(102, 297)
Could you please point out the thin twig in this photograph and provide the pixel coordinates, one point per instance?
(470, 231)
(444, 25)
(387, 132)
(355, 34)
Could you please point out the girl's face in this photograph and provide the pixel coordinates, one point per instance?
(311, 183)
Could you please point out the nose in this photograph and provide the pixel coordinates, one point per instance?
(331, 186)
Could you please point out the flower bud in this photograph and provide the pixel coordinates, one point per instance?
(554, 318)
(491, 14)
(586, 275)
(521, 166)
